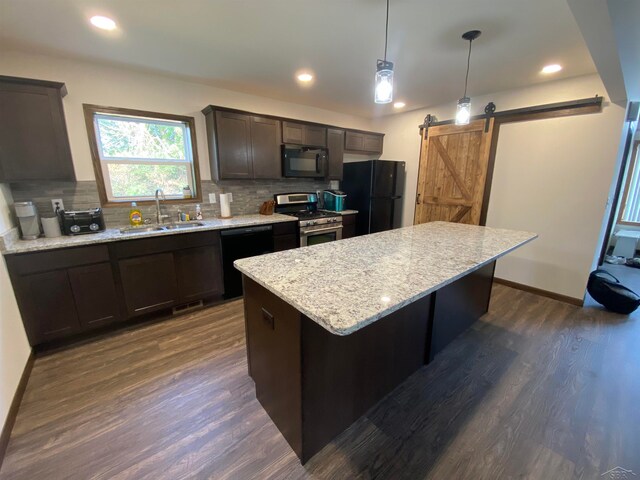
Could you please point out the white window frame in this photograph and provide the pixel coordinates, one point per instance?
(105, 161)
(630, 206)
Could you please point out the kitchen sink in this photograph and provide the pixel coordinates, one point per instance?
(177, 226)
(161, 228)
(154, 228)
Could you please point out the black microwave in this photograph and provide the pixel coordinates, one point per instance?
(304, 162)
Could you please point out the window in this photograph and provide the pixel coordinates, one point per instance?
(135, 153)
(630, 211)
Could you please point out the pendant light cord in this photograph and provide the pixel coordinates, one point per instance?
(466, 78)
(386, 33)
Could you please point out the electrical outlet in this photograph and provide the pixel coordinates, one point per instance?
(212, 198)
(58, 201)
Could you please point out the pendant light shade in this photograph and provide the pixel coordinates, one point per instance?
(463, 110)
(384, 82)
(384, 72)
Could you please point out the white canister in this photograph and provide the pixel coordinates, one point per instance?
(225, 205)
(51, 227)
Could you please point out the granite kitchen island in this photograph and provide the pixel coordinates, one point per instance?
(331, 329)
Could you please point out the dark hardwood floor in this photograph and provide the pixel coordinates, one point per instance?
(537, 389)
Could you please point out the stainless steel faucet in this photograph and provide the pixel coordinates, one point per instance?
(159, 216)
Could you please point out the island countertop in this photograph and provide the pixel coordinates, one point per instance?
(345, 285)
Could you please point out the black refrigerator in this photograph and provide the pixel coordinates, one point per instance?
(374, 188)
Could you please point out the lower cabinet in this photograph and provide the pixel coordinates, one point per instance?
(198, 272)
(94, 293)
(148, 283)
(47, 305)
(285, 236)
(349, 225)
(70, 291)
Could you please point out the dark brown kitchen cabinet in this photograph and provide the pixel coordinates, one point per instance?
(349, 225)
(360, 142)
(233, 135)
(246, 146)
(265, 147)
(285, 236)
(303, 134)
(34, 144)
(94, 294)
(149, 283)
(335, 145)
(198, 273)
(47, 306)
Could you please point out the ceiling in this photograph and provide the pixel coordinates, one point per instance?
(256, 46)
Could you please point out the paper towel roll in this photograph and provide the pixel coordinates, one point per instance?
(225, 205)
(51, 227)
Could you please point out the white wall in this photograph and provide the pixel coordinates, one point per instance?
(14, 348)
(551, 176)
(118, 87)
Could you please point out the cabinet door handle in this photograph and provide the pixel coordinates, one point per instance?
(268, 318)
(418, 199)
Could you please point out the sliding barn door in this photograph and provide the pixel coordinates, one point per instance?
(453, 173)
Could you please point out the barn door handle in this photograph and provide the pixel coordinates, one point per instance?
(268, 319)
(418, 199)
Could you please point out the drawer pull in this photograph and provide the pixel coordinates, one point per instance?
(268, 318)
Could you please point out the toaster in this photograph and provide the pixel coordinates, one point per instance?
(78, 222)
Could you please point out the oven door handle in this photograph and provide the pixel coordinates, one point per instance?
(320, 230)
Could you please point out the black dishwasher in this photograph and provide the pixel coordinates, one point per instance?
(242, 243)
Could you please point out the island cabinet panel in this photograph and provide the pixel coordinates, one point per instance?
(272, 330)
(94, 293)
(458, 305)
(314, 384)
(335, 145)
(33, 132)
(344, 376)
(149, 283)
(199, 272)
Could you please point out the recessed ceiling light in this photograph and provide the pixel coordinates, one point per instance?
(553, 68)
(305, 77)
(399, 105)
(104, 23)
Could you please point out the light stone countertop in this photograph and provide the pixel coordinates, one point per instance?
(12, 244)
(345, 285)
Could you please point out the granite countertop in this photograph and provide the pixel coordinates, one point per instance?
(12, 243)
(346, 285)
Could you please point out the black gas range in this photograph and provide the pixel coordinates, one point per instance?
(314, 226)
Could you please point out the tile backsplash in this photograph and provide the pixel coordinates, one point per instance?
(248, 195)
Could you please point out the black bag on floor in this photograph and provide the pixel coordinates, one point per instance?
(610, 293)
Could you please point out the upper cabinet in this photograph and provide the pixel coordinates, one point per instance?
(243, 145)
(335, 145)
(34, 144)
(247, 145)
(361, 142)
(303, 134)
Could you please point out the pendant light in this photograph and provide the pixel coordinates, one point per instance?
(384, 72)
(463, 111)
